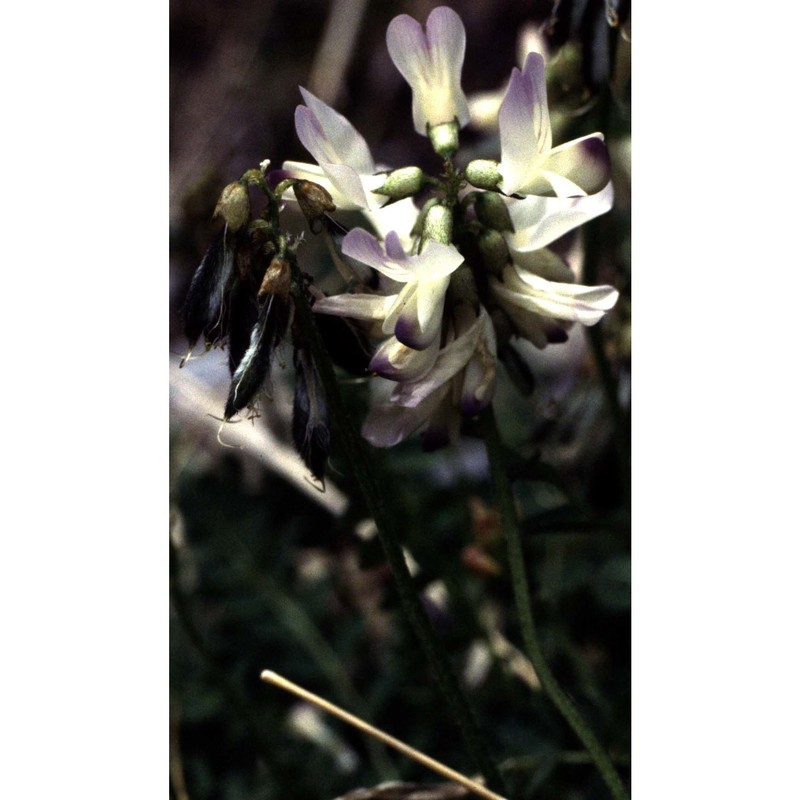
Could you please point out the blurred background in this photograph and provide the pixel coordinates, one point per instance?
(267, 571)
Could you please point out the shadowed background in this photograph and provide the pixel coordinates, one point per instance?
(267, 572)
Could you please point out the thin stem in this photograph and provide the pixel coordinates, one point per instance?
(410, 752)
(357, 456)
(522, 599)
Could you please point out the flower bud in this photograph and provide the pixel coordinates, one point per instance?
(314, 201)
(438, 224)
(494, 251)
(462, 289)
(402, 183)
(444, 138)
(483, 173)
(234, 206)
(492, 211)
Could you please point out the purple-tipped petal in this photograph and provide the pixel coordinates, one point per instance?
(330, 137)
(524, 122)
(395, 361)
(436, 261)
(419, 322)
(580, 167)
(431, 63)
(450, 361)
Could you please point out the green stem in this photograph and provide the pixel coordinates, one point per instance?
(522, 599)
(358, 458)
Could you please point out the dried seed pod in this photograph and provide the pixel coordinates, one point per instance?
(253, 369)
(202, 310)
(310, 420)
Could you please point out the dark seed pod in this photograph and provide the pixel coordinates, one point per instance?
(253, 369)
(310, 420)
(203, 309)
(242, 316)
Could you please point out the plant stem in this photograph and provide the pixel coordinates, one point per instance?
(522, 599)
(357, 456)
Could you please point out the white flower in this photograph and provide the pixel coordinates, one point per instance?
(538, 307)
(529, 163)
(345, 168)
(414, 313)
(539, 221)
(460, 382)
(431, 60)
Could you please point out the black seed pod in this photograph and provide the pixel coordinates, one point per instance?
(310, 421)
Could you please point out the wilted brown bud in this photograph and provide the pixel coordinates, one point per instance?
(234, 206)
(277, 280)
(314, 201)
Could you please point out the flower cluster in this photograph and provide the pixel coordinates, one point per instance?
(454, 268)
(470, 270)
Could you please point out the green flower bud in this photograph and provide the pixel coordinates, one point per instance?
(483, 173)
(234, 206)
(462, 289)
(444, 138)
(438, 224)
(494, 251)
(492, 211)
(403, 182)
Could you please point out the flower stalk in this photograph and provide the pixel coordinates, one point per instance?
(522, 600)
(356, 454)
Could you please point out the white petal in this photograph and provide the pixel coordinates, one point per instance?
(348, 185)
(564, 301)
(431, 63)
(539, 221)
(451, 359)
(524, 122)
(399, 217)
(576, 168)
(436, 260)
(334, 138)
(389, 424)
(357, 306)
(419, 322)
